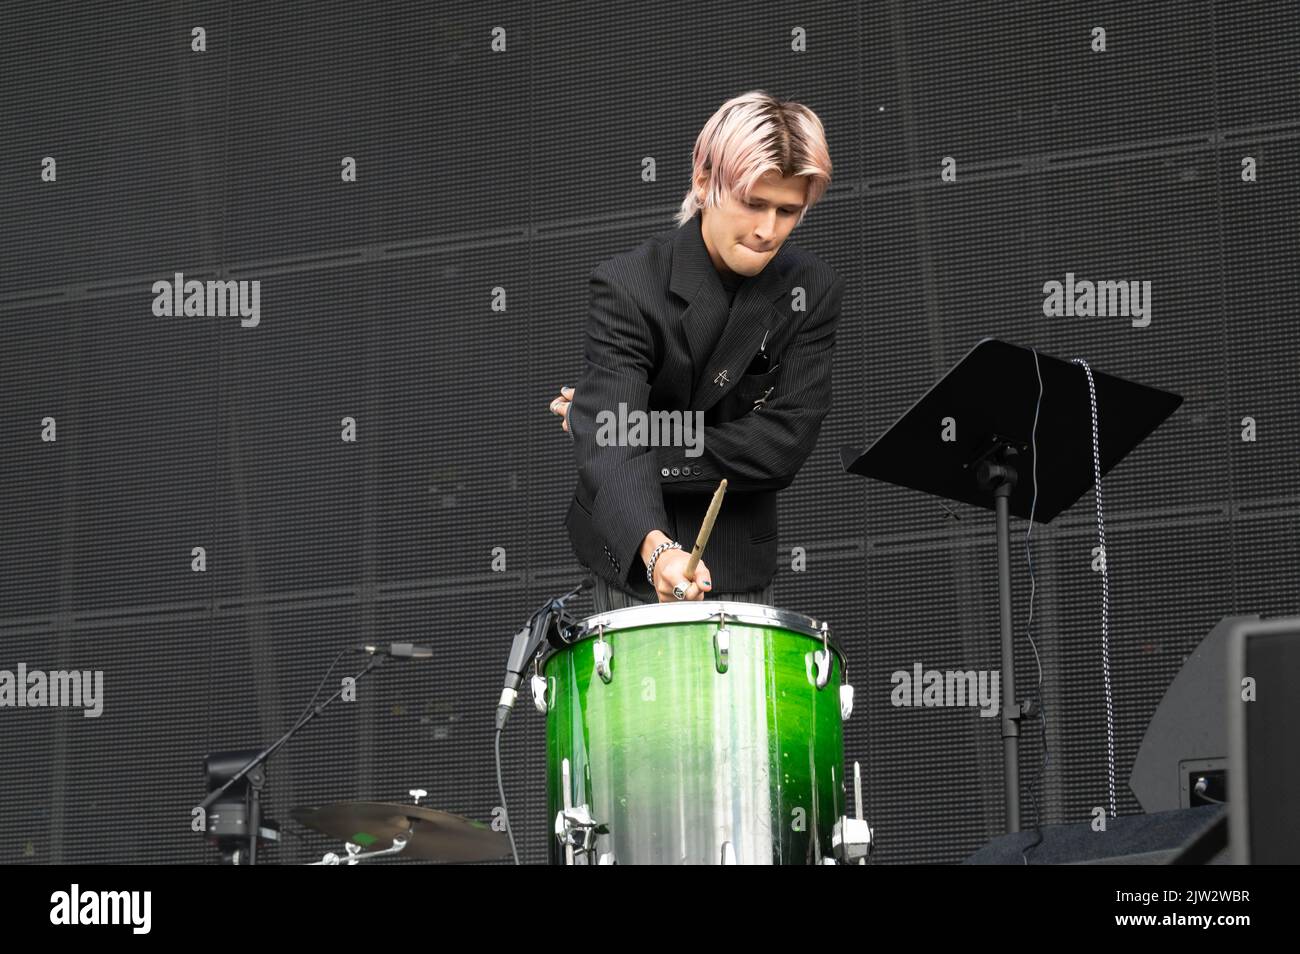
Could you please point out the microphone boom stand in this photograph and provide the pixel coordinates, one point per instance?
(255, 813)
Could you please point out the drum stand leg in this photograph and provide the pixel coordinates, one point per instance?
(851, 839)
(568, 808)
(575, 827)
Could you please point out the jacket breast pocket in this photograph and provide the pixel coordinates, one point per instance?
(752, 391)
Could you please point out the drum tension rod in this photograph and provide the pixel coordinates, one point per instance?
(721, 644)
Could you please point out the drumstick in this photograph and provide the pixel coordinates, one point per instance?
(705, 529)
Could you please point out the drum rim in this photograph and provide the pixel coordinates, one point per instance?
(700, 611)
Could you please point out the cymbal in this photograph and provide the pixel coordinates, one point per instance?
(432, 835)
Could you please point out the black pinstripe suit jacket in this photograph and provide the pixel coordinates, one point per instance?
(653, 312)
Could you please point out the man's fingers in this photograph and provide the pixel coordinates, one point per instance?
(665, 590)
(672, 576)
(697, 588)
(703, 579)
(560, 403)
(673, 573)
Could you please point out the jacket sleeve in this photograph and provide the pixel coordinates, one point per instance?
(623, 482)
(764, 449)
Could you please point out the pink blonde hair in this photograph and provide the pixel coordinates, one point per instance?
(750, 136)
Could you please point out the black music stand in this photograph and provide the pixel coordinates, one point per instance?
(991, 395)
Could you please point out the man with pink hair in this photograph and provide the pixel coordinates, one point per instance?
(722, 319)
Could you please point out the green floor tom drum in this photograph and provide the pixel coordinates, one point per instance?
(705, 732)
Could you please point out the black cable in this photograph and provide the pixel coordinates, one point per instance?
(501, 792)
(1201, 787)
(324, 678)
(552, 606)
(1029, 624)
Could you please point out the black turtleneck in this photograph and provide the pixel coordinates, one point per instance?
(731, 282)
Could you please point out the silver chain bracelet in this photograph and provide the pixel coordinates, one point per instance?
(650, 567)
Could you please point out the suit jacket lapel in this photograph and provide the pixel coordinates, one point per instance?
(752, 315)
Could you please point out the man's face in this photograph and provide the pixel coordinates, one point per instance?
(743, 236)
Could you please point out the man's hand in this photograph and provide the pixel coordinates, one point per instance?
(670, 570)
(560, 406)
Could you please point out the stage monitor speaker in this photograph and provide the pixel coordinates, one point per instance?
(1157, 839)
(1186, 740)
(1263, 728)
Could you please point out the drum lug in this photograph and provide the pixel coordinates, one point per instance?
(722, 645)
(604, 653)
(822, 659)
(728, 853)
(846, 702)
(539, 684)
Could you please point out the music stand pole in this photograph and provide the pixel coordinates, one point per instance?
(1001, 478)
